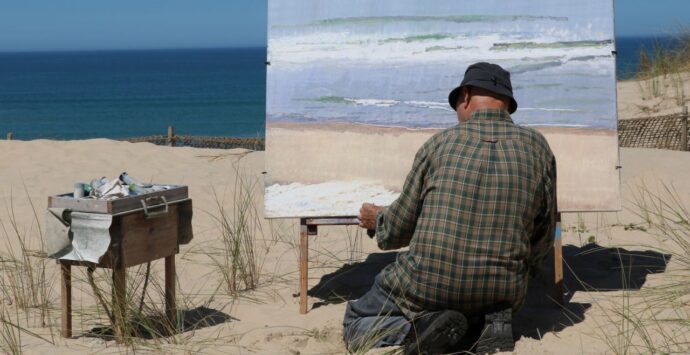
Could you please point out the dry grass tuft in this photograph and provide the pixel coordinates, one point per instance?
(655, 319)
(238, 260)
(663, 69)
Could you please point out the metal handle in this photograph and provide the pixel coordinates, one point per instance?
(154, 214)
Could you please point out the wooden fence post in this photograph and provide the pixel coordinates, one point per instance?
(10, 136)
(171, 136)
(684, 130)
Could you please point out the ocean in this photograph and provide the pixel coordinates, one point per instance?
(120, 94)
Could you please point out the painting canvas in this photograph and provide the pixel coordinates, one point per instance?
(355, 87)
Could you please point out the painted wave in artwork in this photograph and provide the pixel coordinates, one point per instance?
(398, 70)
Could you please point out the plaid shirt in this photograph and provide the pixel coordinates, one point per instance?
(477, 210)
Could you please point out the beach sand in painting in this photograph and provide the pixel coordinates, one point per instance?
(327, 156)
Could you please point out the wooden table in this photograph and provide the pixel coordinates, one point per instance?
(136, 237)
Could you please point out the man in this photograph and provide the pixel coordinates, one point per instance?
(478, 212)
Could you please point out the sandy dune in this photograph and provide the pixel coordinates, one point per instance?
(654, 97)
(267, 320)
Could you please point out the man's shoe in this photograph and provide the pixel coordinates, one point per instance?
(497, 335)
(443, 332)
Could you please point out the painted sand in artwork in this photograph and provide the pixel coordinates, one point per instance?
(355, 87)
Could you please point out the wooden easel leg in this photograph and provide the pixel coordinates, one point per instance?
(558, 263)
(66, 295)
(170, 306)
(119, 302)
(303, 265)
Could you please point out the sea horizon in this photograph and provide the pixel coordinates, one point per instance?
(124, 93)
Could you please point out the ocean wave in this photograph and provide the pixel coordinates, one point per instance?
(358, 102)
(587, 58)
(375, 20)
(550, 45)
(444, 48)
(383, 102)
(524, 68)
(418, 38)
(432, 105)
(537, 86)
(440, 47)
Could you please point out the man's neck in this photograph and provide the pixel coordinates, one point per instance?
(483, 108)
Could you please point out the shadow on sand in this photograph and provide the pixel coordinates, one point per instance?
(589, 268)
(157, 326)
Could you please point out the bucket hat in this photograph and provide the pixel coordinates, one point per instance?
(489, 77)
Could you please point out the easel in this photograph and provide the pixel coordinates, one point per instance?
(310, 226)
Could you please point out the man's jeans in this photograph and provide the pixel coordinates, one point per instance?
(374, 320)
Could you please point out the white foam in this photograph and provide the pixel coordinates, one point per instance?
(342, 47)
(373, 102)
(334, 198)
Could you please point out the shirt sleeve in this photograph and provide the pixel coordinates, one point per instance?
(545, 222)
(395, 224)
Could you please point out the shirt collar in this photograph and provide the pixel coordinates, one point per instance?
(491, 114)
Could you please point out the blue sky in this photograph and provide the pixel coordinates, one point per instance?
(27, 25)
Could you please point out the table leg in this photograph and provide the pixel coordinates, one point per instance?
(66, 295)
(170, 306)
(119, 302)
(303, 266)
(558, 264)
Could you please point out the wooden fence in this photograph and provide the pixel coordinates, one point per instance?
(203, 142)
(662, 132)
(251, 143)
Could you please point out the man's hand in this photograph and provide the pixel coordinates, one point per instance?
(367, 216)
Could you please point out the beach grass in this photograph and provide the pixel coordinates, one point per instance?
(239, 262)
(26, 288)
(662, 69)
(656, 318)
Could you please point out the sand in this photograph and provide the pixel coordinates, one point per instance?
(267, 320)
(653, 97)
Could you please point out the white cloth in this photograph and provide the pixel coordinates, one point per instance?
(77, 236)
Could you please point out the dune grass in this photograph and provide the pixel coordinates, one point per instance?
(238, 260)
(662, 69)
(656, 318)
(26, 288)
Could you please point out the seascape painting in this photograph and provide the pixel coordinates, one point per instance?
(355, 87)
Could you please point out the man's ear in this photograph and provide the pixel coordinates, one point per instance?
(466, 96)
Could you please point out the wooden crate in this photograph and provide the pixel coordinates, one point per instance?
(144, 228)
